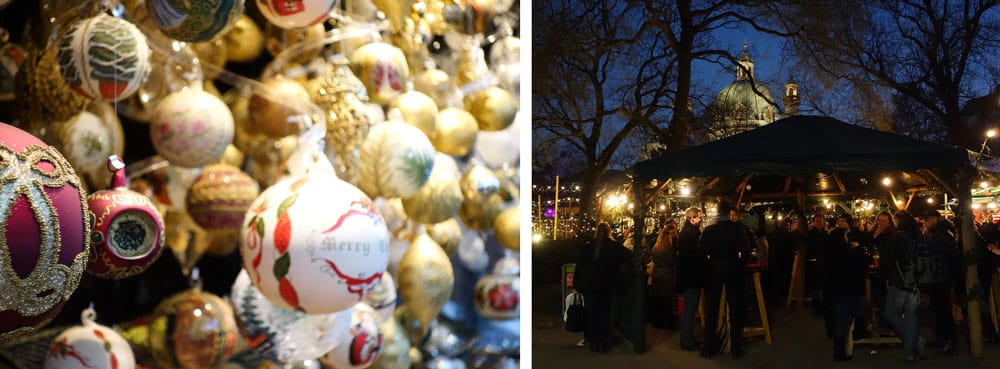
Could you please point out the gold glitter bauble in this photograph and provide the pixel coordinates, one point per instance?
(418, 110)
(425, 278)
(436, 84)
(478, 184)
(279, 39)
(507, 228)
(448, 234)
(341, 96)
(245, 41)
(395, 347)
(212, 52)
(456, 132)
(44, 97)
(494, 108)
(480, 216)
(440, 197)
(269, 115)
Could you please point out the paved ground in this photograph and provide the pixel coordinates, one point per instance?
(799, 341)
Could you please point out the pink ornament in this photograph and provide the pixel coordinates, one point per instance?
(128, 230)
(44, 251)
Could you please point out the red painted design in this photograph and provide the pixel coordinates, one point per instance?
(384, 72)
(361, 207)
(288, 292)
(502, 297)
(286, 7)
(283, 234)
(253, 239)
(111, 90)
(355, 285)
(365, 349)
(62, 349)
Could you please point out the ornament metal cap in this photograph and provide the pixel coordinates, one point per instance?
(117, 167)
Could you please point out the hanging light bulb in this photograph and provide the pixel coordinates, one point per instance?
(886, 181)
(930, 200)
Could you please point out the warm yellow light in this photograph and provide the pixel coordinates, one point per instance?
(975, 206)
(685, 190)
(899, 202)
(930, 200)
(991, 133)
(577, 187)
(886, 181)
(826, 201)
(779, 217)
(630, 206)
(536, 237)
(663, 207)
(984, 184)
(991, 205)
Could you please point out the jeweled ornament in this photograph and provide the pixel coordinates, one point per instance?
(426, 278)
(295, 13)
(360, 344)
(194, 21)
(282, 335)
(192, 330)
(89, 346)
(383, 70)
(498, 295)
(191, 128)
(382, 298)
(396, 159)
(104, 58)
(128, 230)
(342, 96)
(220, 196)
(43, 217)
(311, 230)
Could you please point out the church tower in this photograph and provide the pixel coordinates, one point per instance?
(791, 98)
(745, 70)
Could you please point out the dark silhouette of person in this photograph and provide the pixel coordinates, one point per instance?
(726, 247)
(597, 278)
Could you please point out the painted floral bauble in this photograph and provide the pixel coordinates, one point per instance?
(44, 217)
(507, 228)
(192, 330)
(245, 41)
(269, 114)
(426, 278)
(11, 58)
(360, 344)
(456, 132)
(382, 298)
(88, 139)
(439, 198)
(128, 230)
(220, 196)
(498, 295)
(289, 14)
(478, 184)
(191, 128)
(194, 21)
(382, 69)
(282, 335)
(494, 108)
(89, 346)
(104, 58)
(395, 347)
(312, 230)
(396, 159)
(418, 110)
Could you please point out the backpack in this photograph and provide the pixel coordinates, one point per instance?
(576, 313)
(925, 267)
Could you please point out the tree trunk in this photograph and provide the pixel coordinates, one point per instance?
(588, 189)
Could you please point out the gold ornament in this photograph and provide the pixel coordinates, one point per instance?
(456, 132)
(382, 69)
(396, 11)
(245, 41)
(507, 228)
(395, 348)
(279, 39)
(437, 85)
(415, 355)
(448, 234)
(478, 184)
(434, 15)
(418, 110)
(233, 156)
(346, 122)
(222, 243)
(425, 279)
(471, 16)
(44, 96)
(414, 330)
(471, 66)
(413, 40)
(212, 52)
(185, 238)
(440, 197)
(494, 108)
(480, 216)
(269, 114)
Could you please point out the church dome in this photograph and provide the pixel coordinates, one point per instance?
(738, 108)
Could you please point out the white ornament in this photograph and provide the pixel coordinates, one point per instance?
(382, 298)
(497, 149)
(90, 346)
(396, 159)
(191, 128)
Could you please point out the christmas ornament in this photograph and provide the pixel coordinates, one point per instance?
(192, 329)
(425, 278)
(233, 156)
(342, 96)
(415, 330)
(219, 198)
(456, 132)
(279, 39)
(480, 216)
(442, 362)
(444, 341)
(283, 335)
(472, 251)
(439, 198)
(104, 58)
(448, 234)
(498, 295)
(413, 40)
(128, 230)
(383, 70)
(478, 184)
(46, 209)
(418, 110)
(437, 85)
(45, 96)
(494, 108)
(497, 149)
(88, 139)
(382, 298)
(393, 214)
(289, 14)
(213, 52)
(185, 238)
(167, 74)
(89, 346)
(194, 21)
(396, 11)
(11, 57)
(472, 16)
(396, 159)
(245, 41)
(358, 346)
(471, 72)
(507, 228)
(269, 114)
(505, 62)
(310, 230)
(191, 128)
(395, 347)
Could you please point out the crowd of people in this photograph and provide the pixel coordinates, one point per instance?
(906, 257)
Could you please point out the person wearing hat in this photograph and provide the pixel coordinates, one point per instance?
(940, 237)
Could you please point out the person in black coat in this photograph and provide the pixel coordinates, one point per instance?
(940, 237)
(848, 265)
(903, 297)
(691, 271)
(726, 247)
(597, 278)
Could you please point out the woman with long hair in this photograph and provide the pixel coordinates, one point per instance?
(597, 278)
(664, 260)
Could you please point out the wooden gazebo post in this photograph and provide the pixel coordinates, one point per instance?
(974, 292)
